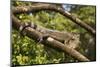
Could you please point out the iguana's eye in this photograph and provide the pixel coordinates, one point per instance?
(73, 38)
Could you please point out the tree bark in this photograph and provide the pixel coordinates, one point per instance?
(51, 7)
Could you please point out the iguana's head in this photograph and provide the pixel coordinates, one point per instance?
(75, 40)
(76, 36)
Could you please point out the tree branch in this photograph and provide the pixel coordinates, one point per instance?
(30, 32)
(23, 9)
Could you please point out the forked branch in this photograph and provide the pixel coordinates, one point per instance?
(34, 34)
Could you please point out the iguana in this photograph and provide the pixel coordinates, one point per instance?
(68, 38)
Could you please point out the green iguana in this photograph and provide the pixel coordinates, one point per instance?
(68, 38)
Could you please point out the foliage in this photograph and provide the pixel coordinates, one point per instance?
(26, 51)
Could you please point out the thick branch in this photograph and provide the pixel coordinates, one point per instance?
(56, 9)
(30, 32)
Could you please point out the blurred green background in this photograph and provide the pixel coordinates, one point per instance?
(26, 51)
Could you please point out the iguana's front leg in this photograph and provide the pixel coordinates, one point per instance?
(33, 26)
